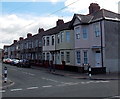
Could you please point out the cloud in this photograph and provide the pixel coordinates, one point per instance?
(53, 1)
(13, 26)
(81, 6)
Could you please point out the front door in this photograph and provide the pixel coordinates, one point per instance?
(98, 58)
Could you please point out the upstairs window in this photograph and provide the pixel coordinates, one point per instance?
(58, 38)
(85, 34)
(52, 40)
(47, 41)
(77, 32)
(97, 30)
(39, 43)
(36, 43)
(43, 41)
(67, 36)
(62, 36)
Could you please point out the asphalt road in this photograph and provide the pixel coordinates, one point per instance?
(40, 83)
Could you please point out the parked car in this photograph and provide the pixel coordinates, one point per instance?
(15, 62)
(7, 60)
(24, 63)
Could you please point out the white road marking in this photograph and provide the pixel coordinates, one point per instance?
(32, 88)
(116, 96)
(49, 79)
(16, 89)
(82, 82)
(104, 81)
(13, 69)
(2, 91)
(61, 85)
(31, 74)
(28, 73)
(47, 86)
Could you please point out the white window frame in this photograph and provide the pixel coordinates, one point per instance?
(77, 32)
(85, 57)
(85, 33)
(97, 30)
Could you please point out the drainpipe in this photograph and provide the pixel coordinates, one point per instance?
(101, 43)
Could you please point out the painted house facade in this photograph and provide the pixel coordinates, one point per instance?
(58, 46)
(96, 37)
(85, 40)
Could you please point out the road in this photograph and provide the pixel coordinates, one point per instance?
(40, 83)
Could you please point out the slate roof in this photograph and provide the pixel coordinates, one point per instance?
(84, 19)
(101, 14)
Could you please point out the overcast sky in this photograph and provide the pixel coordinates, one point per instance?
(21, 17)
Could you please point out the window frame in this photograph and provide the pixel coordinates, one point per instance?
(67, 57)
(78, 57)
(77, 32)
(67, 36)
(85, 57)
(47, 41)
(97, 30)
(85, 32)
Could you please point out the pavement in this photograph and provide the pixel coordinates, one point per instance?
(5, 85)
(107, 76)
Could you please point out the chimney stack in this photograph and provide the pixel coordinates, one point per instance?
(40, 30)
(21, 38)
(94, 7)
(59, 22)
(15, 41)
(29, 35)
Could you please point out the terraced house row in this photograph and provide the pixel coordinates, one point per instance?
(90, 39)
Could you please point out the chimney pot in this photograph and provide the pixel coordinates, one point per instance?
(59, 22)
(15, 41)
(40, 30)
(29, 35)
(21, 38)
(94, 7)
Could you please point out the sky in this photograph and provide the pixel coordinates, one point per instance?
(19, 17)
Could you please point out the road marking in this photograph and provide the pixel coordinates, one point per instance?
(13, 69)
(82, 82)
(104, 81)
(2, 91)
(116, 96)
(49, 79)
(16, 89)
(47, 86)
(31, 74)
(71, 83)
(32, 88)
(28, 73)
(61, 85)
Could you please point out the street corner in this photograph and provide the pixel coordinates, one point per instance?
(9, 83)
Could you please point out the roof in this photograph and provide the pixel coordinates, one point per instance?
(54, 30)
(101, 14)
